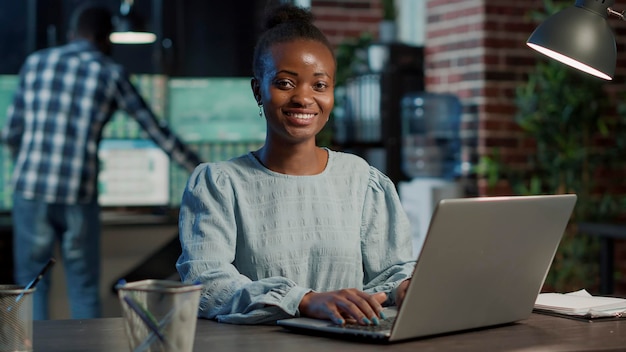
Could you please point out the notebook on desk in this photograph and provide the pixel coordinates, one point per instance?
(483, 263)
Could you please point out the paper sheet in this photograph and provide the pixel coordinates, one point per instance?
(581, 303)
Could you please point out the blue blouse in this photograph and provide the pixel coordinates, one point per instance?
(260, 240)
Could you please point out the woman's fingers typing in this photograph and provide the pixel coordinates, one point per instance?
(401, 292)
(344, 306)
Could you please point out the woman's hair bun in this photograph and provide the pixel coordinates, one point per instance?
(288, 13)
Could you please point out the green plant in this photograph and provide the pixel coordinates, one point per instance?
(578, 139)
(389, 10)
(351, 57)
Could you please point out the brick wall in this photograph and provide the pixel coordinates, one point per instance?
(345, 19)
(476, 49)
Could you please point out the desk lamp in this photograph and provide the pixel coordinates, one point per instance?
(129, 27)
(579, 36)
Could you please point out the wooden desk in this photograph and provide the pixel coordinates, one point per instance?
(538, 333)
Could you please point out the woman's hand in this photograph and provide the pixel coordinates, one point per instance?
(401, 292)
(350, 305)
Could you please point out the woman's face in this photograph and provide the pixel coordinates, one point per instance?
(297, 90)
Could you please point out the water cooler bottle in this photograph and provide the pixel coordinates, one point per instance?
(431, 156)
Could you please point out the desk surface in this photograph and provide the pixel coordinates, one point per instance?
(538, 333)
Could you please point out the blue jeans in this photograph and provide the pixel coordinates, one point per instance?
(37, 226)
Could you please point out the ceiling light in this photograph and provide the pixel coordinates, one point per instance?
(130, 27)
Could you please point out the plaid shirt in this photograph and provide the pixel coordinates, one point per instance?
(65, 97)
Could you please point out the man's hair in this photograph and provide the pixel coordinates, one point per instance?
(92, 21)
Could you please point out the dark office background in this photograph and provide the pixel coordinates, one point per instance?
(196, 37)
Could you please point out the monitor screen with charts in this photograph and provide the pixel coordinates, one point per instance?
(216, 116)
(133, 172)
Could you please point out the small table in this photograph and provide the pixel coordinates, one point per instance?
(607, 233)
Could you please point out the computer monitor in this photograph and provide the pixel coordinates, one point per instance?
(218, 117)
(133, 172)
(8, 84)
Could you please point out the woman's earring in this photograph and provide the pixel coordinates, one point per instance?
(260, 109)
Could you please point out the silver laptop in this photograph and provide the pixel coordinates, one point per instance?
(483, 263)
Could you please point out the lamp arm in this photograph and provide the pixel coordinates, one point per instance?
(615, 13)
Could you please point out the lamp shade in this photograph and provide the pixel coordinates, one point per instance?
(130, 27)
(579, 36)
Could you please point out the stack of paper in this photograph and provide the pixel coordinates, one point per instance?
(581, 303)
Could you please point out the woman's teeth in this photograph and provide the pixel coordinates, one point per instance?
(301, 116)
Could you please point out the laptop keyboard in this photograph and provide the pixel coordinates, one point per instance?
(385, 324)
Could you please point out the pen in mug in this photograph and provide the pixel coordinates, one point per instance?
(162, 324)
(143, 313)
(145, 317)
(34, 281)
(135, 305)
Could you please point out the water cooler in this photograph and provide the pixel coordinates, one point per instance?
(431, 156)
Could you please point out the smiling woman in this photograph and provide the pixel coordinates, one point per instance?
(291, 228)
(296, 91)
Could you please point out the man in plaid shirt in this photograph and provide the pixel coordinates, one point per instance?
(65, 96)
